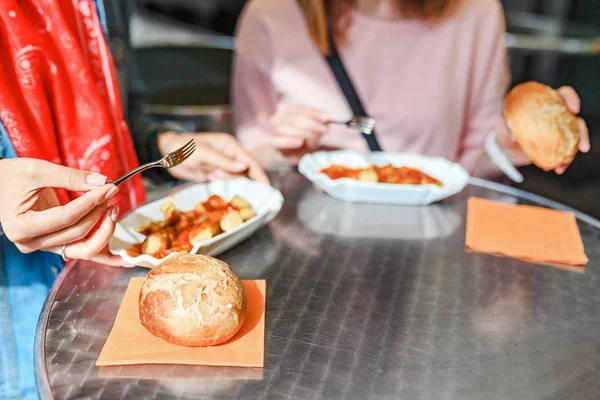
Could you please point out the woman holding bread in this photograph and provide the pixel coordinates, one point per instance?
(432, 73)
(71, 119)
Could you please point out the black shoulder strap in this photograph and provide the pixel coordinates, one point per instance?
(339, 71)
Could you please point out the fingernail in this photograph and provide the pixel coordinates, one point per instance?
(112, 192)
(586, 148)
(240, 165)
(95, 179)
(114, 213)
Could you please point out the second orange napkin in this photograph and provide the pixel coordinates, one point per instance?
(130, 343)
(532, 233)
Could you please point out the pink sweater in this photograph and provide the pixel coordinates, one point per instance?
(433, 90)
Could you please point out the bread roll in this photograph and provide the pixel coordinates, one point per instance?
(542, 124)
(192, 300)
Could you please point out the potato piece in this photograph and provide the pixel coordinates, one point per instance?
(368, 175)
(247, 213)
(216, 202)
(203, 232)
(231, 220)
(169, 234)
(200, 208)
(184, 222)
(168, 209)
(154, 243)
(240, 203)
(151, 228)
(134, 250)
(183, 242)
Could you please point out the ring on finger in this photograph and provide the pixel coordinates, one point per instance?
(63, 253)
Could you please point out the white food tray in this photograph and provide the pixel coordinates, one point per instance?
(264, 199)
(453, 177)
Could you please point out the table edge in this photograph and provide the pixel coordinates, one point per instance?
(498, 187)
(42, 380)
(40, 368)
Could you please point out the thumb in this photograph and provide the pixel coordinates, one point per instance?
(46, 174)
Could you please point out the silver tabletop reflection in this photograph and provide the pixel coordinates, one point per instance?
(363, 302)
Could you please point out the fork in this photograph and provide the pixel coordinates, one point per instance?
(364, 124)
(169, 161)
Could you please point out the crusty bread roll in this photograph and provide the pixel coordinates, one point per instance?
(192, 300)
(542, 124)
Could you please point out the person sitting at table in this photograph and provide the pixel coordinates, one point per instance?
(70, 119)
(433, 74)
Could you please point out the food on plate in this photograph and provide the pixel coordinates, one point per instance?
(192, 300)
(385, 174)
(181, 230)
(542, 124)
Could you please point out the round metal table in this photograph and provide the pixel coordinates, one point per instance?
(364, 302)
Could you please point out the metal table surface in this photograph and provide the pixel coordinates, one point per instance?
(363, 302)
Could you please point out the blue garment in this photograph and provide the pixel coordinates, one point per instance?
(25, 280)
(24, 283)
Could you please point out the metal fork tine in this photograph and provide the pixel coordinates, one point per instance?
(192, 147)
(181, 156)
(189, 151)
(168, 161)
(186, 156)
(189, 144)
(184, 147)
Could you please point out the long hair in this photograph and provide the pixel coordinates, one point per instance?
(333, 17)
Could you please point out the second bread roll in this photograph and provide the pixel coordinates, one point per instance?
(542, 124)
(192, 300)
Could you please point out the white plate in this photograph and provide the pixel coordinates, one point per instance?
(453, 177)
(264, 199)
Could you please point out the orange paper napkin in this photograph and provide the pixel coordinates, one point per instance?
(532, 233)
(130, 343)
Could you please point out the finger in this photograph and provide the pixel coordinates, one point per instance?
(310, 113)
(258, 174)
(571, 98)
(255, 171)
(584, 136)
(303, 127)
(88, 248)
(46, 174)
(71, 234)
(315, 127)
(219, 160)
(287, 142)
(191, 175)
(312, 144)
(37, 223)
(509, 143)
(561, 170)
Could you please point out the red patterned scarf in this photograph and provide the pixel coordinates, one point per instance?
(59, 97)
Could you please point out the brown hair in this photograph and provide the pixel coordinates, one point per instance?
(335, 16)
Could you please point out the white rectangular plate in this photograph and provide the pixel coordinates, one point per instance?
(453, 177)
(264, 199)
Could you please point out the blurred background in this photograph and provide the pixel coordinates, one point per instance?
(184, 48)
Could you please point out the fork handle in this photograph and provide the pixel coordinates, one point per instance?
(347, 123)
(139, 169)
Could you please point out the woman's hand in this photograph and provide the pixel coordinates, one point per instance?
(217, 156)
(295, 126)
(33, 219)
(511, 147)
